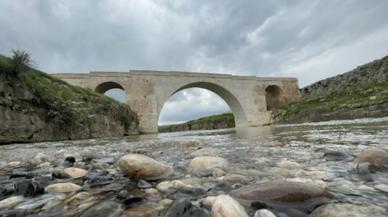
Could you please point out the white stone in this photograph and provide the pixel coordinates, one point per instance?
(264, 213)
(206, 165)
(62, 187)
(75, 173)
(142, 167)
(382, 187)
(226, 206)
(11, 202)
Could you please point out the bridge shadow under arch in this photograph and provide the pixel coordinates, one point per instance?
(273, 97)
(231, 100)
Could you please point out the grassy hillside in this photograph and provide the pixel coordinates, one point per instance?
(362, 92)
(220, 121)
(73, 112)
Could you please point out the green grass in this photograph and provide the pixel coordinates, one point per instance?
(227, 118)
(349, 98)
(213, 118)
(68, 106)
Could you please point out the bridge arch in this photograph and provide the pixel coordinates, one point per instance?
(273, 97)
(106, 87)
(240, 116)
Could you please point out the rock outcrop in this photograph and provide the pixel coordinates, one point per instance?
(360, 93)
(37, 107)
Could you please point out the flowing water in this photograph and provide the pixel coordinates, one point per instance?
(284, 152)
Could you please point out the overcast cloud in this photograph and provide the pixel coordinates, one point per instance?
(307, 39)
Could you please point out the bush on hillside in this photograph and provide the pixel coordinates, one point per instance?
(21, 61)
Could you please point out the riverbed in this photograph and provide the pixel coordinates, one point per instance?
(321, 154)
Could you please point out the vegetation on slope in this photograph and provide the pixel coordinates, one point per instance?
(362, 92)
(221, 121)
(70, 109)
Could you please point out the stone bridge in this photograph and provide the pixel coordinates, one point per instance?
(250, 98)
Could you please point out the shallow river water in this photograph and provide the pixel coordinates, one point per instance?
(320, 153)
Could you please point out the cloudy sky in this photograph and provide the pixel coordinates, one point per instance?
(307, 39)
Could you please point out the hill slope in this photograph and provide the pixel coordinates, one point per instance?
(362, 92)
(220, 121)
(37, 107)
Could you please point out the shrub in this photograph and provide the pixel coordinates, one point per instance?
(21, 61)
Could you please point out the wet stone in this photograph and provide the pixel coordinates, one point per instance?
(69, 161)
(104, 209)
(283, 194)
(28, 188)
(60, 174)
(143, 184)
(130, 201)
(346, 210)
(184, 208)
(333, 155)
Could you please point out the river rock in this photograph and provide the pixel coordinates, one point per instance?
(207, 165)
(147, 210)
(11, 202)
(62, 188)
(347, 209)
(332, 155)
(167, 186)
(75, 173)
(382, 188)
(376, 157)
(142, 167)
(104, 209)
(283, 193)
(184, 208)
(208, 201)
(225, 206)
(264, 213)
(28, 188)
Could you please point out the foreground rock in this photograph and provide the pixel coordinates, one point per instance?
(283, 194)
(75, 172)
(105, 209)
(225, 206)
(184, 208)
(142, 167)
(206, 166)
(347, 210)
(376, 157)
(62, 188)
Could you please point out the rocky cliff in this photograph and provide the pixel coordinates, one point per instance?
(37, 107)
(220, 121)
(360, 93)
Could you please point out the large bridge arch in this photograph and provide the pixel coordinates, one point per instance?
(231, 100)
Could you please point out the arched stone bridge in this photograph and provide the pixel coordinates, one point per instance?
(250, 98)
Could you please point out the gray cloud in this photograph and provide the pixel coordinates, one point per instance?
(307, 39)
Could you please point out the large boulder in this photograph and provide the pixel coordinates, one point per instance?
(376, 157)
(283, 194)
(225, 206)
(206, 165)
(142, 167)
(347, 209)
